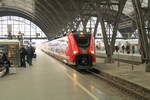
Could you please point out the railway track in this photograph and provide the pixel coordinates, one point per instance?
(140, 93)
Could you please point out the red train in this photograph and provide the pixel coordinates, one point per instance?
(77, 48)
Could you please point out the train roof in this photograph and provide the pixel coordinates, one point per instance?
(62, 39)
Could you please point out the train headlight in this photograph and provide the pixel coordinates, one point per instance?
(92, 52)
(75, 52)
(81, 34)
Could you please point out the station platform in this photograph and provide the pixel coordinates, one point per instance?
(49, 79)
(45, 80)
(132, 77)
(135, 58)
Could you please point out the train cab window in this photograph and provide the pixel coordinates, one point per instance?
(83, 42)
(82, 39)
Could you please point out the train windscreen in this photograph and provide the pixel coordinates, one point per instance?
(82, 39)
(83, 42)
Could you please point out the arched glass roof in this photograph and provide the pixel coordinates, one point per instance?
(19, 25)
(52, 16)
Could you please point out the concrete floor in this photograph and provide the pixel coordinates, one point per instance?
(49, 79)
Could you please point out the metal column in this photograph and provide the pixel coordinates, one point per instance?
(109, 46)
(116, 23)
(106, 43)
(142, 32)
(148, 19)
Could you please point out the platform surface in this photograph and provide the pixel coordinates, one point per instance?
(49, 79)
(132, 73)
(122, 56)
(45, 80)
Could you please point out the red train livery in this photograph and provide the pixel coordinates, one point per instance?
(77, 48)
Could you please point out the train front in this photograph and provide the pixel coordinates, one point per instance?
(81, 49)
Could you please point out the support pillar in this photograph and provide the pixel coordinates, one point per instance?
(107, 46)
(148, 19)
(142, 32)
(116, 23)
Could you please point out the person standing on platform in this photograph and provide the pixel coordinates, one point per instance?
(23, 54)
(117, 48)
(123, 48)
(133, 49)
(128, 49)
(9, 36)
(30, 53)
